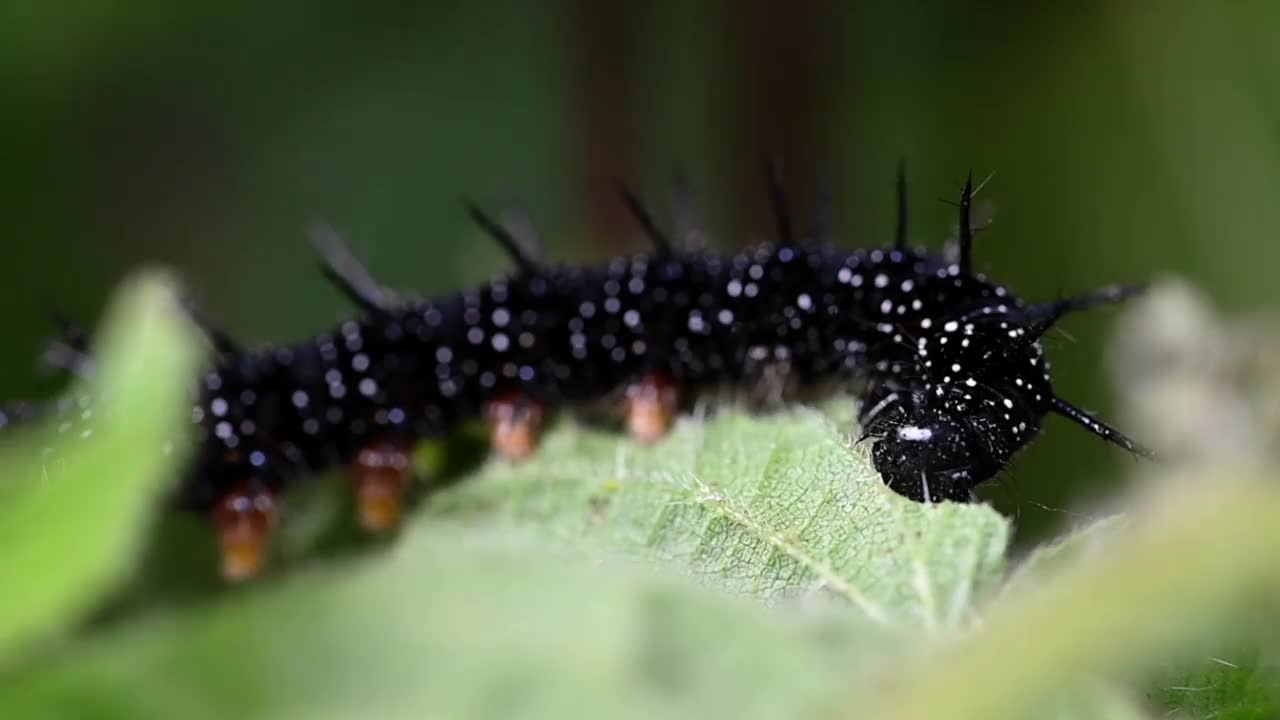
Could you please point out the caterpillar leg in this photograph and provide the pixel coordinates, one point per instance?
(244, 520)
(515, 425)
(380, 475)
(651, 404)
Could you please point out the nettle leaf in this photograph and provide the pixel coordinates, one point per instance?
(776, 506)
(76, 491)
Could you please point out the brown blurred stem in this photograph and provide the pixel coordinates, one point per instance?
(776, 48)
(775, 56)
(605, 54)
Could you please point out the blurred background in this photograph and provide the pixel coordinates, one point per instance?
(1127, 142)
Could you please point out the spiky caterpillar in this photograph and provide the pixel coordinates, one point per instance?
(954, 377)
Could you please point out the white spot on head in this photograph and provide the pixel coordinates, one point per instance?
(914, 434)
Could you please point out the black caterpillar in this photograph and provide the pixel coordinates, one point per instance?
(954, 373)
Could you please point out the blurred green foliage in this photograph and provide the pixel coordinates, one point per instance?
(1127, 141)
(74, 519)
(602, 580)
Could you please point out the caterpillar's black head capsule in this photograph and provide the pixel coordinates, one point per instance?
(930, 458)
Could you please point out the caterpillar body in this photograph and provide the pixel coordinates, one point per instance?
(953, 375)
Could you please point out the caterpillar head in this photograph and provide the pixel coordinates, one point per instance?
(929, 455)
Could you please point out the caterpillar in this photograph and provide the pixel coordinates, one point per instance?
(954, 380)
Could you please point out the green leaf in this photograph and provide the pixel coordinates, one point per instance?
(460, 620)
(1073, 548)
(1237, 680)
(774, 506)
(1087, 700)
(468, 624)
(1188, 568)
(72, 518)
